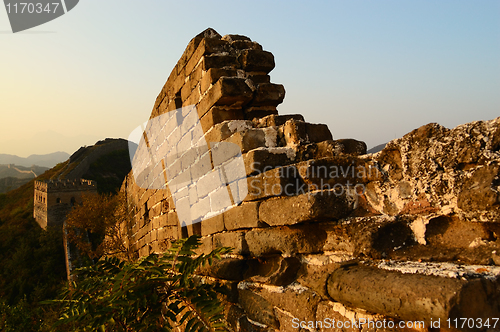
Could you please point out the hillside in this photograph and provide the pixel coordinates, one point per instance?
(106, 162)
(31, 260)
(377, 148)
(10, 183)
(32, 263)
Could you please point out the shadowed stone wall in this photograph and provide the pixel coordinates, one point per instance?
(326, 231)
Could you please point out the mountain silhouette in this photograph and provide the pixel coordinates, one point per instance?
(45, 160)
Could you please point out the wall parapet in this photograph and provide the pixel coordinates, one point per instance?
(67, 184)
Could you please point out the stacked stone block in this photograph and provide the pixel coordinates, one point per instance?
(54, 199)
(326, 231)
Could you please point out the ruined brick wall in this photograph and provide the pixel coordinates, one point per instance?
(326, 231)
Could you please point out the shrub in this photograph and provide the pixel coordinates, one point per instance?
(155, 293)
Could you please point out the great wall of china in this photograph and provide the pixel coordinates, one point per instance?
(327, 232)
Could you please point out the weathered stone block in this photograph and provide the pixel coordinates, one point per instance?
(406, 296)
(268, 94)
(219, 61)
(226, 268)
(258, 78)
(341, 172)
(282, 181)
(314, 276)
(199, 209)
(191, 83)
(373, 237)
(218, 114)
(312, 206)
(147, 238)
(257, 308)
(320, 150)
(208, 183)
(245, 215)
(205, 247)
(245, 44)
(275, 270)
(213, 75)
(155, 247)
(287, 298)
(155, 209)
(450, 232)
(222, 131)
(177, 84)
(144, 251)
(153, 235)
(193, 46)
(285, 240)
(477, 191)
(262, 159)
(274, 120)
(233, 314)
(235, 240)
(228, 91)
(318, 132)
(249, 139)
(350, 146)
(212, 225)
(287, 321)
(326, 313)
(163, 233)
(256, 60)
(294, 132)
(248, 325)
(193, 99)
(207, 46)
(234, 37)
(259, 112)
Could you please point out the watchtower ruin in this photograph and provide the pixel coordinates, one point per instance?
(54, 199)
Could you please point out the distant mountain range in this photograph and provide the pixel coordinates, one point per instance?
(106, 162)
(45, 160)
(45, 142)
(377, 148)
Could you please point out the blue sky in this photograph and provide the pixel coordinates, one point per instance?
(370, 70)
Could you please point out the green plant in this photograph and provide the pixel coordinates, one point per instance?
(157, 293)
(94, 227)
(26, 317)
(16, 317)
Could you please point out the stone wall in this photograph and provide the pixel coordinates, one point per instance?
(54, 199)
(326, 231)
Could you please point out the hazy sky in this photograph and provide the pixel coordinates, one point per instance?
(370, 70)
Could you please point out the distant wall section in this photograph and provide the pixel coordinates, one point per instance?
(54, 199)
